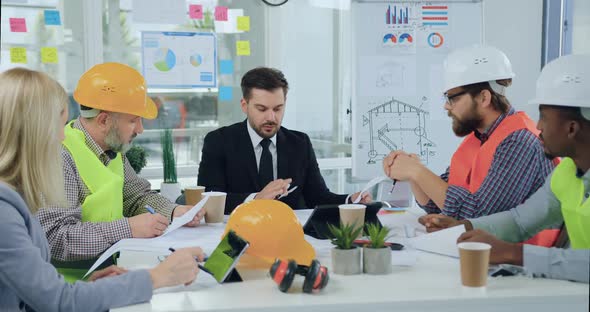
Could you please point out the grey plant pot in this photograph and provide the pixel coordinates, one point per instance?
(377, 260)
(346, 261)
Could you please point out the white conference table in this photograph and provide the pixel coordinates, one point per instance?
(432, 283)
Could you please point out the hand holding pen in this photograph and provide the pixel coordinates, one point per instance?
(201, 258)
(179, 267)
(402, 166)
(148, 225)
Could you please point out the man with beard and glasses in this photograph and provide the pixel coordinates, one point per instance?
(563, 97)
(106, 199)
(499, 164)
(258, 158)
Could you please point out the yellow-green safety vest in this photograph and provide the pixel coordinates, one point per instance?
(105, 201)
(575, 208)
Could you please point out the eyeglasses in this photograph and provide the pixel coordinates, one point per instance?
(450, 98)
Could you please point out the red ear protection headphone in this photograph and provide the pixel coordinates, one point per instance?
(283, 273)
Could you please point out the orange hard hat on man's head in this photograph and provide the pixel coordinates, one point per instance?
(115, 87)
(273, 231)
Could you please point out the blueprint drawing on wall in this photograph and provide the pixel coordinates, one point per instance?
(395, 125)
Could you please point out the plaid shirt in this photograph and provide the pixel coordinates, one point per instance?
(518, 170)
(71, 239)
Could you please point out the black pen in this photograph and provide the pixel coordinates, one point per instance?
(393, 186)
(198, 264)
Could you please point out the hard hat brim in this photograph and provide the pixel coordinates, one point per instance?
(557, 102)
(151, 109)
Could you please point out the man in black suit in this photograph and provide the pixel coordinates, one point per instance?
(259, 159)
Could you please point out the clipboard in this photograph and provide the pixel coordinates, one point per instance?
(222, 262)
(317, 224)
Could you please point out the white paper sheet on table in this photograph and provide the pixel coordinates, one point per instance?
(172, 237)
(369, 185)
(443, 242)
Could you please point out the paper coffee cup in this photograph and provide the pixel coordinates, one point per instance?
(353, 214)
(474, 259)
(214, 207)
(192, 194)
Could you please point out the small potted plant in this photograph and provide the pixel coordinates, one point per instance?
(346, 258)
(137, 157)
(376, 255)
(170, 188)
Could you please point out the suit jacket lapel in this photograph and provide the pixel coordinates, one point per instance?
(249, 158)
(282, 156)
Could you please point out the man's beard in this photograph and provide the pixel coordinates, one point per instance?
(469, 124)
(114, 141)
(263, 134)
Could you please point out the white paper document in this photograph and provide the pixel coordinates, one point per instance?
(184, 238)
(370, 184)
(187, 217)
(443, 242)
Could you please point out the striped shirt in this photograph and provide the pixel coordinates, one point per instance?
(519, 168)
(71, 239)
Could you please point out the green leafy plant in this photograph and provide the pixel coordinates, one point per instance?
(344, 235)
(137, 157)
(378, 235)
(167, 142)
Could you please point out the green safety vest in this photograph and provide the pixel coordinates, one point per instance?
(105, 201)
(575, 208)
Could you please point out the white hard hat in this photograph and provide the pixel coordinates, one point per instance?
(476, 64)
(565, 82)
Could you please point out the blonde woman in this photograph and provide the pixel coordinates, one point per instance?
(32, 114)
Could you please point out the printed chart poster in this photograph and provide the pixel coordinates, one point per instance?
(398, 103)
(179, 59)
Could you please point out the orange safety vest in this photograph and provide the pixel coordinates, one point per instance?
(472, 161)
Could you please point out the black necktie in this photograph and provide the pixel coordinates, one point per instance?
(265, 174)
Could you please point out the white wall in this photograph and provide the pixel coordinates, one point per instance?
(581, 27)
(515, 27)
(299, 44)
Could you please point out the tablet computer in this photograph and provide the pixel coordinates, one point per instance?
(222, 261)
(317, 224)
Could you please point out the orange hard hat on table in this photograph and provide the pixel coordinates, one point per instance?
(273, 231)
(115, 87)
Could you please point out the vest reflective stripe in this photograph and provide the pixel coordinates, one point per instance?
(575, 208)
(472, 161)
(105, 184)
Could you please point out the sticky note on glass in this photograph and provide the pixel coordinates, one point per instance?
(52, 17)
(225, 94)
(221, 13)
(244, 23)
(226, 67)
(243, 47)
(195, 11)
(17, 24)
(18, 55)
(49, 55)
